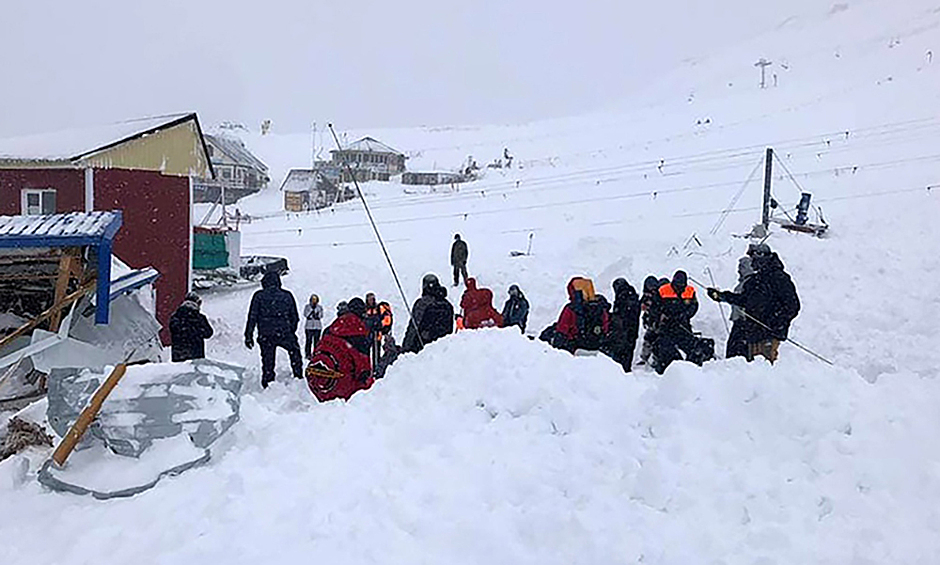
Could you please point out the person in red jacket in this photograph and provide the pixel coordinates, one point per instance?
(340, 365)
(585, 321)
(477, 306)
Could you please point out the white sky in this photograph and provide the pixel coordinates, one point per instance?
(358, 63)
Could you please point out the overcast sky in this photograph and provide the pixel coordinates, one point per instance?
(358, 63)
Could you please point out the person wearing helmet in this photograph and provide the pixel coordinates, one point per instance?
(432, 316)
(189, 330)
(516, 309)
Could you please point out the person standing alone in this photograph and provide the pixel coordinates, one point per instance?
(458, 259)
(313, 326)
(273, 312)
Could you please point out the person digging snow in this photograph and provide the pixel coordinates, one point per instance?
(624, 324)
(769, 303)
(678, 305)
(273, 312)
(477, 306)
(516, 309)
(432, 316)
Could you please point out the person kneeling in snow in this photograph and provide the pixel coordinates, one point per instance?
(516, 309)
(477, 306)
(678, 305)
(432, 316)
(624, 324)
(584, 322)
(341, 364)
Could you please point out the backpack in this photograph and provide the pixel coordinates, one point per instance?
(437, 321)
(591, 316)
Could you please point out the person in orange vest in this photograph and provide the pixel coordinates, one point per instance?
(677, 306)
(378, 319)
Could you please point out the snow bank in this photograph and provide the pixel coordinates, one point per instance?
(489, 447)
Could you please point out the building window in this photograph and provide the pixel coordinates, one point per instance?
(38, 201)
(227, 173)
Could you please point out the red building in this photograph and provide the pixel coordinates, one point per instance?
(142, 167)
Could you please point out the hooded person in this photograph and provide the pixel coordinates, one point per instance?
(624, 324)
(432, 316)
(678, 304)
(189, 330)
(768, 301)
(649, 306)
(585, 321)
(341, 364)
(273, 312)
(516, 309)
(477, 306)
(737, 339)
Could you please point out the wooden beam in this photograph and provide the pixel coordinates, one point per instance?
(34, 323)
(75, 433)
(61, 285)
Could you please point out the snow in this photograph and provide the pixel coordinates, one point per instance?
(489, 447)
(72, 143)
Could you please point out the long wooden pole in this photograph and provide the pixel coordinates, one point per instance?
(75, 433)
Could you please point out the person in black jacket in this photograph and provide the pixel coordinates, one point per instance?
(516, 309)
(432, 316)
(769, 303)
(458, 259)
(624, 324)
(273, 312)
(649, 306)
(189, 330)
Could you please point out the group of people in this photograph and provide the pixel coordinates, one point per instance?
(358, 346)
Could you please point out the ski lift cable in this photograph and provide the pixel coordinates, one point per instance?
(378, 236)
(734, 200)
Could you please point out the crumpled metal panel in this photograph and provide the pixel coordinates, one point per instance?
(154, 401)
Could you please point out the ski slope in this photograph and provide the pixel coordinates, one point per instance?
(488, 447)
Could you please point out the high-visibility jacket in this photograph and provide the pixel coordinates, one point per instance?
(677, 309)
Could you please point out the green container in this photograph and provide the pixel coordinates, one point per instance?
(209, 251)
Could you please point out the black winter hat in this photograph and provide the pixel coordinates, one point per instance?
(357, 306)
(680, 280)
(621, 285)
(651, 284)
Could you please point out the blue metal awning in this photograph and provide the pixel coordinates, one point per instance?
(75, 229)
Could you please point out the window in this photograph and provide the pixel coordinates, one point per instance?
(38, 201)
(227, 173)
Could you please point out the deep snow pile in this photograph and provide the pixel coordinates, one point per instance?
(519, 453)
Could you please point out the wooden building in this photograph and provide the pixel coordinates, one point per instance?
(368, 159)
(238, 172)
(431, 178)
(311, 189)
(144, 168)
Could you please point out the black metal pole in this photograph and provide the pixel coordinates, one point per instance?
(768, 173)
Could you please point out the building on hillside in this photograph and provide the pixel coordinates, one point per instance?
(311, 189)
(368, 159)
(432, 178)
(238, 172)
(144, 168)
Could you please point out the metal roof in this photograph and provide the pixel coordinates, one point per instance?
(75, 229)
(16, 231)
(300, 180)
(369, 145)
(236, 150)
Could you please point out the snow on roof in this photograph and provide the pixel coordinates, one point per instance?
(300, 180)
(87, 224)
(72, 144)
(235, 149)
(370, 145)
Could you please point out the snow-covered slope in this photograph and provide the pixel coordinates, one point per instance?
(490, 447)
